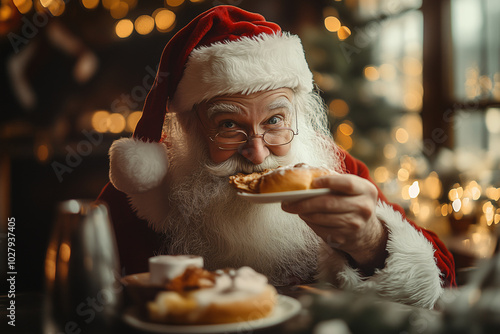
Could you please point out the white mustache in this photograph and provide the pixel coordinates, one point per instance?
(238, 163)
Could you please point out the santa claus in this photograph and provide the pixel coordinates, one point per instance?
(233, 94)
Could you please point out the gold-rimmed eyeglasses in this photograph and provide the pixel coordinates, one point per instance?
(229, 140)
(233, 139)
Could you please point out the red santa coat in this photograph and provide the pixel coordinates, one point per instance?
(226, 51)
(137, 242)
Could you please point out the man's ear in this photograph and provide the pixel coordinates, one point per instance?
(137, 166)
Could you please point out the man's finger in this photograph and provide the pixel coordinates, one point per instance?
(344, 183)
(330, 203)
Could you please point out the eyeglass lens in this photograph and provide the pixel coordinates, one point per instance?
(232, 139)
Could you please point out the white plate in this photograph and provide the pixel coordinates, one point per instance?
(286, 307)
(283, 196)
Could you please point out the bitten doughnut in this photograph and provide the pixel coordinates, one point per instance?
(199, 296)
(288, 178)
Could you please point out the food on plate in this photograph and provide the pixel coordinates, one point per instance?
(199, 296)
(288, 178)
(163, 268)
(249, 183)
(141, 288)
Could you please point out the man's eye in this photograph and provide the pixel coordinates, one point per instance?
(275, 120)
(228, 125)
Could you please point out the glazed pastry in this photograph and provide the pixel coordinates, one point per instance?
(288, 178)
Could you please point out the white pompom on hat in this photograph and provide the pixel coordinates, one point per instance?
(137, 166)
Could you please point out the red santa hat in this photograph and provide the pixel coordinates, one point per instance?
(224, 50)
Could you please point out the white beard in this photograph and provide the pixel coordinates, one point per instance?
(204, 216)
(208, 219)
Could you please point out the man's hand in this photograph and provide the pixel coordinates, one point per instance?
(346, 219)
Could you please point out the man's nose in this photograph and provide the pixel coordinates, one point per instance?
(255, 150)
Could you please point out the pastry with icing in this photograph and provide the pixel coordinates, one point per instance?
(199, 296)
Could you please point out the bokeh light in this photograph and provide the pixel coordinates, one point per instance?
(403, 174)
(132, 120)
(412, 101)
(381, 174)
(109, 3)
(124, 28)
(42, 152)
(414, 190)
(401, 135)
(24, 6)
(332, 23)
(371, 73)
(117, 123)
(119, 10)
(346, 129)
(174, 3)
(100, 121)
(164, 19)
(343, 33)
(90, 4)
(5, 13)
(144, 24)
(339, 108)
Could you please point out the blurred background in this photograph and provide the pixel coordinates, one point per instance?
(412, 87)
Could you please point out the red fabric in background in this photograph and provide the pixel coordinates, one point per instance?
(135, 240)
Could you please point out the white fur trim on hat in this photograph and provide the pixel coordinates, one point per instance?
(410, 275)
(137, 166)
(245, 66)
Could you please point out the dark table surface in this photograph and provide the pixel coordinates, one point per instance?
(362, 313)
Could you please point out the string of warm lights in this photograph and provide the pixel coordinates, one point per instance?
(411, 70)
(163, 18)
(398, 80)
(338, 108)
(477, 85)
(463, 200)
(333, 24)
(104, 121)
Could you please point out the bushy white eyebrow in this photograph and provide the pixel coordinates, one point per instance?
(217, 108)
(281, 103)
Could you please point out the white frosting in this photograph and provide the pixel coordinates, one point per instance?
(249, 280)
(244, 283)
(282, 169)
(164, 268)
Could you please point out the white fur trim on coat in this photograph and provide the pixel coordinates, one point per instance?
(136, 166)
(245, 66)
(410, 275)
